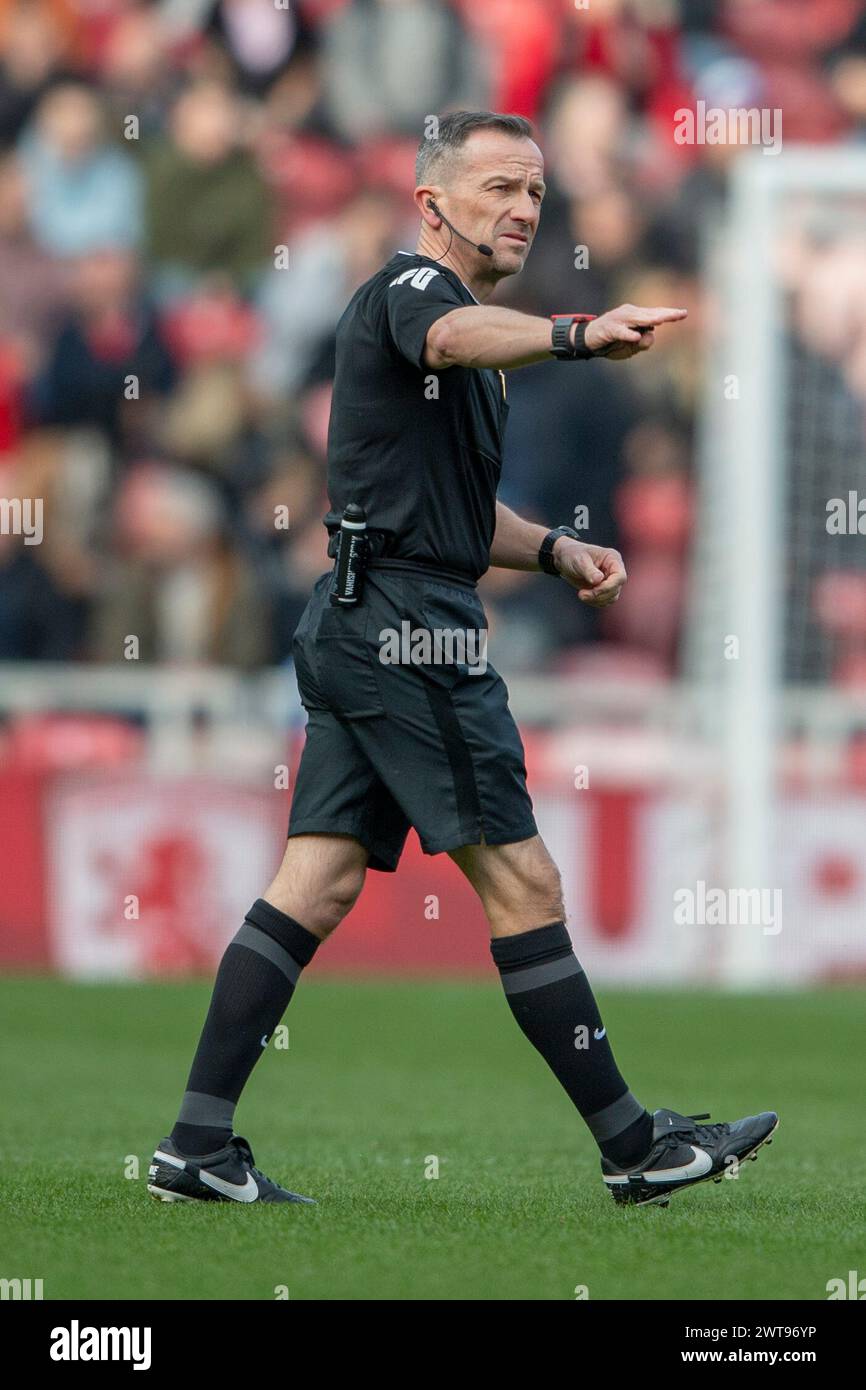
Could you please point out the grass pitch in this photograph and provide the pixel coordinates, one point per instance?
(381, 1079)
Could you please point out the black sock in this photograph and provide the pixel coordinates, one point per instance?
(550, 997)
(254, 983)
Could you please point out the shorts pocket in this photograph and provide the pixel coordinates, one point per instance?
(457, 620)
(346, 650)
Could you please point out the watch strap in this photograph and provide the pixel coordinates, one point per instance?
(545, 551)
(561, 345)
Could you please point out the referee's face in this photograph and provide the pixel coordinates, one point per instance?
(494, 195)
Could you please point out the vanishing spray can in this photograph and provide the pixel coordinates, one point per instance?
(351, 557)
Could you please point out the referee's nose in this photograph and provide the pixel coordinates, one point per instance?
(524, 213)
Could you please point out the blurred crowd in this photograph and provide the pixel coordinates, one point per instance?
(191, 190)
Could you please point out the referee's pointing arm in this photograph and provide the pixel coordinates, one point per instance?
(487, 336)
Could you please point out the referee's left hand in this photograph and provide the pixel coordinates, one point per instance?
(595, 571)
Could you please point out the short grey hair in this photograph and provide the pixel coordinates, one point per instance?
(453, 132)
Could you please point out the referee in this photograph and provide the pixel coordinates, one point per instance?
(403, 728)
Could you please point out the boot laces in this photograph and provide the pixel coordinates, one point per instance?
(246, 1154)
(704, 1134)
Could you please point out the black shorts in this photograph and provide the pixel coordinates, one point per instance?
(428, 742)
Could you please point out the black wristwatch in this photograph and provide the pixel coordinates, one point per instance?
(561, 347)
(545, 552)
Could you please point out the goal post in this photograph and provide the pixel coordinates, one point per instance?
(771, 451)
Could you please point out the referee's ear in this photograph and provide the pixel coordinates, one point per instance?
(423, 198)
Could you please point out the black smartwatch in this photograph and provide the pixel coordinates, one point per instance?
(545, 552)
(560, 343)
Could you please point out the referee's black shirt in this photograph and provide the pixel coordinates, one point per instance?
(420, 451)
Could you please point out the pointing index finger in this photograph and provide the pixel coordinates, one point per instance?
(650, 317)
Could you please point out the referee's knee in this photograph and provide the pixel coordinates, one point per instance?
(548, 896)
(542, 886)
(334, 900)
(531, 898)
(317, 894)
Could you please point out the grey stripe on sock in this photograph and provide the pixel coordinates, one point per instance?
(534, 976)
(613, 1119)
(213, 1111)
(256, 940)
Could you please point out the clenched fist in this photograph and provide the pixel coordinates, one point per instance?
(596, 571)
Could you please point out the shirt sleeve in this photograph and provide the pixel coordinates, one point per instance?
(414, 300)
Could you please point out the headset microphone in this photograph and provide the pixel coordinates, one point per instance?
(479, 246)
